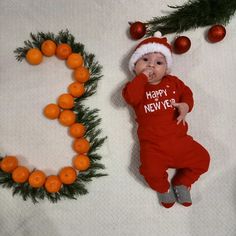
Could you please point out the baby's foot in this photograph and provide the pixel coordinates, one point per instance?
(183, 195)
(167, 199)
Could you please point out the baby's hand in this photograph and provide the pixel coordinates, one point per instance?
(183, 109)
(148, 72)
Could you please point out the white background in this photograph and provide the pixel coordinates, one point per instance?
(121, 203)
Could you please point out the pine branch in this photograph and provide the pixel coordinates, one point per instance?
(96, 166)
(70, 191)
(78, 48)
(86, 116)
(96, 144)
(65, 37)
(91, 120)
(191, 15)
(94, 156)
(88, 175)
(53, 197)
(36, 42)
(5, 179)
(27, 192)
(95, 76)
(90, 89)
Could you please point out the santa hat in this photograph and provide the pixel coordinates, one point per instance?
(149, 45)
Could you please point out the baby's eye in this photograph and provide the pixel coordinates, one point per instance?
(145, 59)
(159, 63)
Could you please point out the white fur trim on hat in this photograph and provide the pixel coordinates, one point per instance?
(149, 48)
(158, 34)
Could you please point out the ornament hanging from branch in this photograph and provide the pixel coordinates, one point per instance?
(191, 15)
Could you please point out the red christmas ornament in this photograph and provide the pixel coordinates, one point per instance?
(216, 33)
(137, 30)
(182, 44)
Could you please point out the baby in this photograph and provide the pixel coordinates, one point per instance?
(161, 102)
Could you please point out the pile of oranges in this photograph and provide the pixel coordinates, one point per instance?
(63, 111)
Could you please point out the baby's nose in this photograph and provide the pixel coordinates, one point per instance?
(151, 64)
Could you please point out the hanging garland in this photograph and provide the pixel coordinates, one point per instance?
(191, 15)
(81, 121)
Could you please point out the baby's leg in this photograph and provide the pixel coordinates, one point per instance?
(193, 163)
(154, 165)
(155, 173)
(154, 168)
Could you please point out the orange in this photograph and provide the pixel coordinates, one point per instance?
(66, 101)
(77, 130)
(63, 51)
(37, 179)
(74, 60)
(76, 89)
(67, 175)
(52, 111)
(81, 74)
(67, 117)
(52, 184)
(48, 48)
(81, 162)
(81, 145)
(9, 163)
(20, 174)
(34, 56)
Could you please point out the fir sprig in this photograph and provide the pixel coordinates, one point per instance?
(191, 15)
(91, 120)
(67, 191)
(66, 37)
(35, 42)
(89, 117)
(95, 76)
(88, 175)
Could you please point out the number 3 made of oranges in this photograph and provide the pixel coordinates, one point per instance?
(82, 123)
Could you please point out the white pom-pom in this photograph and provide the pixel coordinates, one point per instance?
(158, 34)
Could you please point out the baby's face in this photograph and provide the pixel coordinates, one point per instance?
(155, 62)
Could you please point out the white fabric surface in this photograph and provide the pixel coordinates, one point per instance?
(120, 204)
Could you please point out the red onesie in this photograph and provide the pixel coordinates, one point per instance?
(163, 143)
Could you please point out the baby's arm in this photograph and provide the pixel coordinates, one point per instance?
(183, 109)
(186, 101)
(134, 90)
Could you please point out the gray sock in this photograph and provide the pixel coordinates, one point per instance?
(168, 197)
(183, 195)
